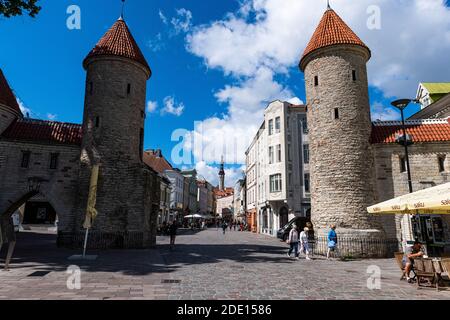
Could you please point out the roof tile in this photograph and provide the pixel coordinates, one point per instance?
(332, 30)
(44, 131)
(119, 41)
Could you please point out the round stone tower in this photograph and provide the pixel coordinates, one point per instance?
(113, 138)
(342, 161)
(9, 108)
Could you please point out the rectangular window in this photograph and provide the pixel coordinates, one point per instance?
(97, 122)
(275, 183)
(289, 153)
(279, 153)
(26, 155)
(354, 75)
(316, 81)
(141, 143)
(271, 155)
(402, 164)
(54, 160)
(307, 183)
(441, 160)
(336, 113)
(270, 127)
(277, 125)
(129, 88)
(91, 88)
(305, 126)
(306, 153)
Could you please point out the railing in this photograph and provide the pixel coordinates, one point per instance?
(352, 247)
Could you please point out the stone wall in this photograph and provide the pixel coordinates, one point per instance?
(60, 185)
(342, 162)
(391, 182)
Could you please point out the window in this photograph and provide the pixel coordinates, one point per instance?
(277, 125)
(26, 155)
(141, 143)
(402, 164)
(305, 126)
(91, 88)
(275, 183)
(307, 183)
(289, 153)
(270, 127)
(97, 122)
(279, 153)
(271, 155)
(354, 75)
(336, 113)
(316, 81)
(129, 88)
(441, 160)
(54, 160)
(306, 153)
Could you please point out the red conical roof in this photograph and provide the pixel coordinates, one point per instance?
(7, 97)
(118, 41)
(332, 30)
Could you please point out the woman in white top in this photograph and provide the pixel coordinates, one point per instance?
(293, 241)
(304, 243)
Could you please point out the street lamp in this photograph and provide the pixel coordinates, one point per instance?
(406, 141)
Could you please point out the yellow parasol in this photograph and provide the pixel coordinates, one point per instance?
(434, 200)
(91, 212)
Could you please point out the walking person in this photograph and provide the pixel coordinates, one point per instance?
(332, 241)
(293, 242)
(173, 234)
(311, 238)
(304, 243)
(224, 227)
(235, 225)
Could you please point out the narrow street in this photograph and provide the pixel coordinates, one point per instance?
(204, 265)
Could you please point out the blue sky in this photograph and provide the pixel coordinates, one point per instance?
(42, 58)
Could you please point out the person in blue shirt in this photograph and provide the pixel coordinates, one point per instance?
(332, 241)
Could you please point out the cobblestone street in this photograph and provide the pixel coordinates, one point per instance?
(204, 265)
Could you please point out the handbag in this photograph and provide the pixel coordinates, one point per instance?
(331, 244)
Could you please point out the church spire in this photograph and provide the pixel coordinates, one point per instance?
(123, 8)
(222, 175)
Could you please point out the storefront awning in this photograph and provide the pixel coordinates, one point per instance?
(434, 200)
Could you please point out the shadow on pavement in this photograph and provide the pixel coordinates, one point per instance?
(39, 252)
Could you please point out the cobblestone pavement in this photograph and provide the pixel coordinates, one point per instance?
(204, 265)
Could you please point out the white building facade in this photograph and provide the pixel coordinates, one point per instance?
(278, 181)
(176, 195)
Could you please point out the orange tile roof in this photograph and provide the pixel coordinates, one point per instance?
(332, 30)
(223, 193)
(7, 97)
(155, 160)
(44, 131)
(119, 41)
(420, 130)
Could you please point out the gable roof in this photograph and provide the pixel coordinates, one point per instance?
(155, 160)
(437, 88)
(7, 97)
(118, 41)
(332, 30)
(44, 131)
(420, 130)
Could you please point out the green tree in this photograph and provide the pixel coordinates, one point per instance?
(10, 8)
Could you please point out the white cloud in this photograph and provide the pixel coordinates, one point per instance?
(156, 44)
(152, 106)
(23, 108)
(211, 174)
(172, 107)
(183, 21)
(51, 116)
(264, 38)
(382, 113)
(163, 17)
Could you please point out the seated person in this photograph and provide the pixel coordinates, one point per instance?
(410, 254)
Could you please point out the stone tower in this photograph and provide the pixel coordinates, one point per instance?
(9, 108)
(342, 162)
(222, 176)
(113, 133)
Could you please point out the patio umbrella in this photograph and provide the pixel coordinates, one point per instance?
(434, 200)
(195, 216)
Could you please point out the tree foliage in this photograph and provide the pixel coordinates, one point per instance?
(10, 8)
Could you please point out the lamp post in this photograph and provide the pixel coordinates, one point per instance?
(402, 104)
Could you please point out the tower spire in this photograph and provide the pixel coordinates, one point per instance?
(328, 5)
(123, 8)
